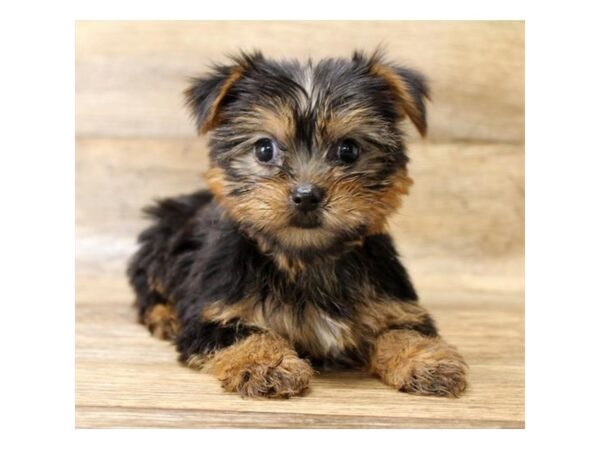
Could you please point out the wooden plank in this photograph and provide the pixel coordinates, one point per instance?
(102, 417)
(130, 75)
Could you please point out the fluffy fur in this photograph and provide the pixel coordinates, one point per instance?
(255, 290)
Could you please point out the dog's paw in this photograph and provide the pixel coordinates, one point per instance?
(262, 366)
(419, 364)
(162, 322)
(288, 378)
(443, 378)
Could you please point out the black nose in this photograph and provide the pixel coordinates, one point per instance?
(306, 197)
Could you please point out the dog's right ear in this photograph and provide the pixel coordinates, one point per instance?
(208, 95)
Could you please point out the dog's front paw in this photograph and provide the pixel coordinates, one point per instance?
(287, 378)
(443, 378)
(262, 366)
(419, 364)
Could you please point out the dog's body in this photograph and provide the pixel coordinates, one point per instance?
(285, 262)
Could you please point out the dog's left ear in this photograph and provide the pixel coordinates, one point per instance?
(408, 86)
(209, 95)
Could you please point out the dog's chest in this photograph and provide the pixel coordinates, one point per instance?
(311, 330)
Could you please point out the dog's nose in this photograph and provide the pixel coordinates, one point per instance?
(306, 197)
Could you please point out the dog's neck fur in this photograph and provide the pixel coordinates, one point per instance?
(297, 260)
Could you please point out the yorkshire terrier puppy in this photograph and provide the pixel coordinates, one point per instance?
(285, 264)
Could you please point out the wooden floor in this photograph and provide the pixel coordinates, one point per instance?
(468, 273)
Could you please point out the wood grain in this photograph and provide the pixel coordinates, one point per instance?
(130, 75)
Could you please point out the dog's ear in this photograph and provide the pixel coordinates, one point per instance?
(413, 90)
(408, 86)
(209, 94)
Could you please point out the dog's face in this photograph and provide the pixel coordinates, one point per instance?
(308, 156)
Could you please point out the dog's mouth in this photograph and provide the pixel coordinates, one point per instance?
(306, 221)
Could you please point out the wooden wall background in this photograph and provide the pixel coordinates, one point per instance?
(140, 68)
(461, 230)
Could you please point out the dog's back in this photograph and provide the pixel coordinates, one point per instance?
(171, 218)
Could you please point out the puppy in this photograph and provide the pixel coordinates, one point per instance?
(285, 264)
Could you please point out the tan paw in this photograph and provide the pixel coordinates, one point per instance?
(418, 364)
(262, 366)
(162, 322)
(287, 379)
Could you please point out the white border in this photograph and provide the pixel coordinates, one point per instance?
(38, 216)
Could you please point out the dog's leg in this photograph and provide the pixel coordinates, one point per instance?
(161, 321)
(153, 308)
(410, 356)
(251, 362)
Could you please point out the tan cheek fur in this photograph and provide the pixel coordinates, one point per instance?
(351, 204)
(266, 206)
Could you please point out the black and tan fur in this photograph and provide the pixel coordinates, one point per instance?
(252, 295)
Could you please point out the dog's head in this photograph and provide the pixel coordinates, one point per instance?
(308, 156)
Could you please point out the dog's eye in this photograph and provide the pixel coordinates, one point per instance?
(348, 151)
(265, 150)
